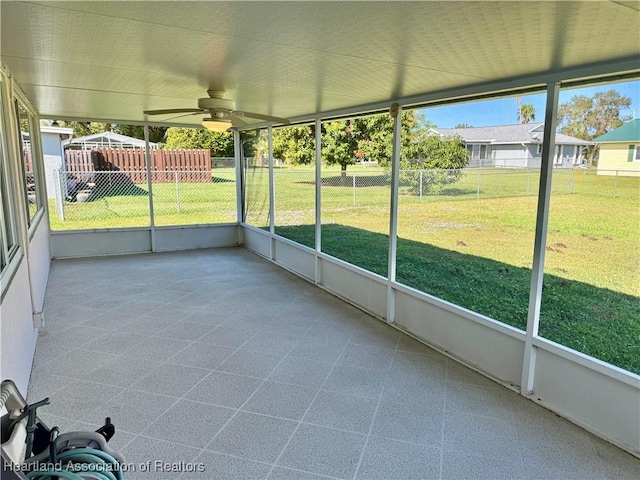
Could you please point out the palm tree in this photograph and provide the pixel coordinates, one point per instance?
(526, 113)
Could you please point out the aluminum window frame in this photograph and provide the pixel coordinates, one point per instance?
(20, 104)
(10, 235)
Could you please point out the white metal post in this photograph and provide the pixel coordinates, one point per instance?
(175, 176)
(238, 153)
(318, 199)
(272, 195)
(571, 182)
(396, 114)
(147, 156)
(542, 219)
(353, 182)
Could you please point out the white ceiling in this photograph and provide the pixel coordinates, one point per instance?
(112, 60)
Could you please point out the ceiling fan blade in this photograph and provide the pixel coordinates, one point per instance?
(268, 118)
(236, 120)
(173, 110)
(181, 116)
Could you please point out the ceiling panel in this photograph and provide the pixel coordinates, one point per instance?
(116, 59)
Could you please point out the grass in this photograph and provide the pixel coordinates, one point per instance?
(182, 204)
(471, 244)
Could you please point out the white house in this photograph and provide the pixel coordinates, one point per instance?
(516, 146)
(53, 153)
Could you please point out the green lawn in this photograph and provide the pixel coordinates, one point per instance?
(182, 204)
(471, 244)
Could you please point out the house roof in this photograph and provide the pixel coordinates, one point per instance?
(508, 134)
(26, 137)
(107, 139)
(58, 130)
(110, 61)
(629, 132)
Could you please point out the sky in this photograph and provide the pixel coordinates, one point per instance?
(504, 111)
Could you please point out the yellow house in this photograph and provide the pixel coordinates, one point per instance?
(620, 150)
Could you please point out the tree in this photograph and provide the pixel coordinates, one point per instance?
(346, 142)
(219, 144)
(82, 129)
(589, 117)
(526, 113)
(295, 145)
(156, 134)
(432, 163)
(463, 125)
(341, 144)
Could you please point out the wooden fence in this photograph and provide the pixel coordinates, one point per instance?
(28, 162)
(184, 165)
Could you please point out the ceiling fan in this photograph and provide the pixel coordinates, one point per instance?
(222, 113)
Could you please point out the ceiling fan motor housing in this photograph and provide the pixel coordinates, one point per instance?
(216, 103)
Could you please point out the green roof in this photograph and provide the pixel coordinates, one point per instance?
(629, 132)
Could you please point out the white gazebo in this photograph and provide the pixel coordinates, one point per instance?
(105, 140)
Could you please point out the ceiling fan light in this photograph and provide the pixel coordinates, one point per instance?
(216, 125)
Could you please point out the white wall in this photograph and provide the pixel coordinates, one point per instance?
(364, 289)
(256, 240)
(23, 280)
(297, 258)
(18, 337)
(53, 160)
(488, 346)
(87, 243)
(515, 156)
(603, 400)
(39, 262)
(17, 332)
(196, 236)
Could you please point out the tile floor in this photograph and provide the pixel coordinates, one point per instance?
(219, 358)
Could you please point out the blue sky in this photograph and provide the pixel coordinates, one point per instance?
(504, 111)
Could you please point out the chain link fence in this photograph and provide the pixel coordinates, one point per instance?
(256, 196)
(194, 197)
(295, 193)
(113, 199)
(355, 217)
(597, 183)
(295, 212)
(108, 199)
(479, 183)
